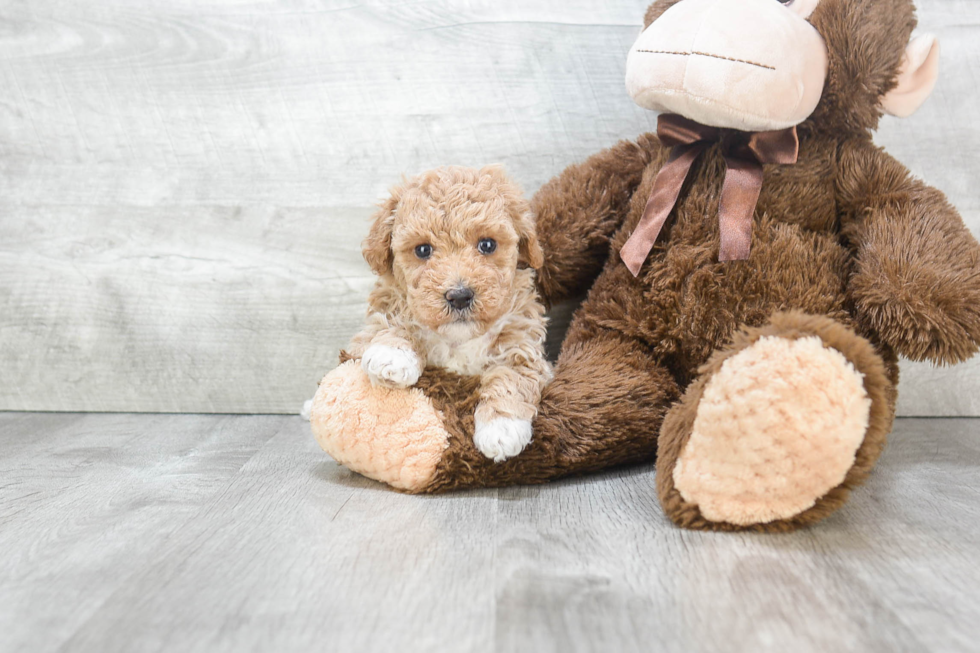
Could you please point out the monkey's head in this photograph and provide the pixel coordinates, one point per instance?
(759, 65)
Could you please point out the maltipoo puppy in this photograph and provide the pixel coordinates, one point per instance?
(456, 252)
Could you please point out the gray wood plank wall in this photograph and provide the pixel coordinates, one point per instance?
(184, 185)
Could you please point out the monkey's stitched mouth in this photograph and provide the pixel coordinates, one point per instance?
(696, 53)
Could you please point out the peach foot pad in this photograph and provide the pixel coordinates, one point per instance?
(391, 435)
(777, 428)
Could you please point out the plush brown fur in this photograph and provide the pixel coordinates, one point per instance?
(579, 210)
(846, 246)
(916, 279)
(866, 40)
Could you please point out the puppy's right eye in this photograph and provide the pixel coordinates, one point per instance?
(423, 251)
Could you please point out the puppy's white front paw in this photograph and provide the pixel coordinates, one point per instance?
(391, 366)
(306, 409)
(502, 437)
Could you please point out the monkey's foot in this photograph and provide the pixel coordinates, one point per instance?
(769, 437)
(392, 435)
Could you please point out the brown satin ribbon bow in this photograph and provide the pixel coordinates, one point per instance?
(744, 153)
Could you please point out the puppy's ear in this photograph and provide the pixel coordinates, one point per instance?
(529, 249)
(376, 248)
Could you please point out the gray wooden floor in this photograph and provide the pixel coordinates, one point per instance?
(183, 533)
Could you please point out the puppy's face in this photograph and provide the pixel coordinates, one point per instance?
(457, 237)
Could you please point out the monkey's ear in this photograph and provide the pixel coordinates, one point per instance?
(377, 246)
(916, 78)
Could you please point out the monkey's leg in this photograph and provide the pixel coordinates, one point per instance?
(604, 408)
(777, 430)
(393, 435)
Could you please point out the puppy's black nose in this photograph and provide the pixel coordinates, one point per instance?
(460, 298)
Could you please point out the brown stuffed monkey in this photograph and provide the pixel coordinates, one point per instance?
(753, 273)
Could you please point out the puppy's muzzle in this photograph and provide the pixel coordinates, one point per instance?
(459, 298)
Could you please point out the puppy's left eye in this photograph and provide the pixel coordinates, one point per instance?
(486, 246)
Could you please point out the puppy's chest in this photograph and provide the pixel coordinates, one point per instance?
(469, 357)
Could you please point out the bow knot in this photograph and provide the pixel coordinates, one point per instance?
(744, 153)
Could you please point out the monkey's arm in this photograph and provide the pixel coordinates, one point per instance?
(916, 280)
(578, 211)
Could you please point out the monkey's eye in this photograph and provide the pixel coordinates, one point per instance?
(486, 246)
(423, 251)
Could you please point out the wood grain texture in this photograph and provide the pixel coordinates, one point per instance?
(232, 533)
(84, 500)
(185, 184)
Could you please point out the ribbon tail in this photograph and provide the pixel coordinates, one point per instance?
(739, 196)
(666, 189)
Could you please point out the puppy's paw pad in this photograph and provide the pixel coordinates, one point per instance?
(502, 437)
(391, 366)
